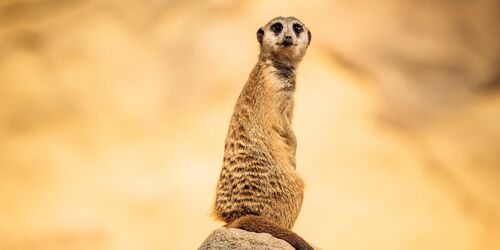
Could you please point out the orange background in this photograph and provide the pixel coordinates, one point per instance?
(113, 116)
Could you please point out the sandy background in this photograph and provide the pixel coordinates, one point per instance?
(113, 116)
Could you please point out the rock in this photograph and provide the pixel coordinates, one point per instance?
(232, 238)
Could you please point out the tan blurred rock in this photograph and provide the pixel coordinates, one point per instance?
(426, 58)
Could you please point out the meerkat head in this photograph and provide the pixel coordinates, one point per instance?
(284, 39)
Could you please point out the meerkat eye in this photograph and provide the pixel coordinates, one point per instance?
(297, 28)
(277, 28)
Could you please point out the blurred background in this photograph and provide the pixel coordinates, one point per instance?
(113, 116)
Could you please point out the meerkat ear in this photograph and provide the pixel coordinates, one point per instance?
(260, 35)
(309, 35)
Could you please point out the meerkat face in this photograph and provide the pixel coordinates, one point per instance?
(284, 36)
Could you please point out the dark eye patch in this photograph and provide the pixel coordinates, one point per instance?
(277, 28)
(297, 28)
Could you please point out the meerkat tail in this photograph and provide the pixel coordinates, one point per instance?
(259, 224)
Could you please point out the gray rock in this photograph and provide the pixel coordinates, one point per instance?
(232, 238)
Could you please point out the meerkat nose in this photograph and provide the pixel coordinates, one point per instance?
(287, 41)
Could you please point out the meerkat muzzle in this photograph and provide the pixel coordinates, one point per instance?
(287, 41)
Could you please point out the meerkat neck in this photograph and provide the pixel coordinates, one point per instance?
(279, 59)
(281, 72)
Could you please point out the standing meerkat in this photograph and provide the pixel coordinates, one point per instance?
(258, 189)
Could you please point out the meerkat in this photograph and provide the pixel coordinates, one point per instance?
(259, 189)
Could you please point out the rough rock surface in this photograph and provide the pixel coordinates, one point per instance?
(232, 238)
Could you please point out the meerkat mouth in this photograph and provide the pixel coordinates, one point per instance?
(286, 44)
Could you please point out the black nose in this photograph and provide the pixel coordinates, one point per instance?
(287, 41)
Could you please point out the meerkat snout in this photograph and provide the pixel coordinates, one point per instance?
(287, 41)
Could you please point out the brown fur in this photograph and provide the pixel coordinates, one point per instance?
(259, 189)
